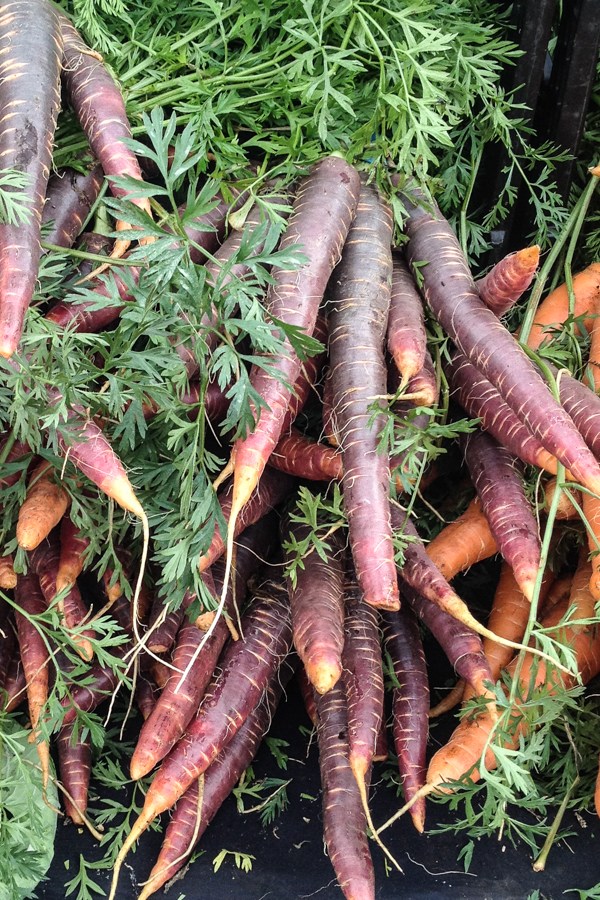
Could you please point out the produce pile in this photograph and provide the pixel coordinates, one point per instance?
(263, 405)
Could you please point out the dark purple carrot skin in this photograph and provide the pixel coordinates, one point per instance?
(273, 488)
(344, 822)
(163, 634)
(363, 680)
(303, 457)
(410, 704)
(69, 198)
(480, 399)
(406, 335)
(30, 60)
(75, 767)
(309, 374)
(308, 695)
(98, 104)
(317, 605)
(146, 695)
(245, 668)
(498, 481)
(191, 818)
(177, 705)
(462, 646)
(8, 642)
(583, 405)
(83, 316)
(19, 451)
(321, 215)
(360, 297)
(86, 699)
(451, 294)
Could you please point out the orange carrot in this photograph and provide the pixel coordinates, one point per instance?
(565, 508)
(463, 543)
(44, 506)
(553, 311)
(509, 279)
(8, 577)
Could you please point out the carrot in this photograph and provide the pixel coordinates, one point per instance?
(423, 387)
(597, 794)
(8, 577)
(462, 645)
(85, 315)
(590, 504)
(462, 543)
(302, 457)
(480, 335)
(147, 693)
(164, 623)
(317, 607)
(30, 55)
(583, 405)
(72, 608)
(8, 642)
(272, 489)
(509, 279)
(359, 305)
(308, 695)
(410, 704)
(45, 504)
(69, 199)
(99, 106)
(35, 659)
(75, 766)
(16, 456)
(322, 212)
(202, 800)
(245, 669)
(330, 424)
(565, 508)
(478, 396)
(344, 821)
(498, 481)
(406, 336)
(73, 548)
(101, 681)
(14, 689)
(554, 310)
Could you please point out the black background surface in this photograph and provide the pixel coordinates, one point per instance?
(290, 861)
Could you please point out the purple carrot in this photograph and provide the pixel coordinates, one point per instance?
(317, 604)
(480, 399)
(69, 199)
(406, 336)
(14, 690)
(199, 805)
(245, 669)
(508, 280)
(303, 457)
(499, 484)
(102, 682)
(410, 704)
(75, 767)
(359, 305)
(30, 59)
(274, 487)
(451, 294)
(344, 820)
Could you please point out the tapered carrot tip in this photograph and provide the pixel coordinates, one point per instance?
(323, 677)
(417, 814)
(141, 763)
(121, 491)
(529, 256)
(8, 345)
(595, 171)
(138, 828)
(527, 585)
(448, 702)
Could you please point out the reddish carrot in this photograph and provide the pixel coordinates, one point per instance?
(85, 315)
(16, 456)
(272, 489)
(72, 608)
(69, 198)
(410, 704)
(499, 485)
(35, 659)
(245, 669)
(44, 506)
(73, 548)
(564, 508)
(329, 194)
(308, 695)
(317, 605)
(75, 766)
(406, 336)
(30, 54)
(146, 694)
(202, 800)
(344, 821)
(164, 624)
(554, 309)
(330, 423)
(99, 106)
(478, 396)
(482, 338)
(303, 457)
(509, 279)
(102, 681)
(14, 690)
(360, 298)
